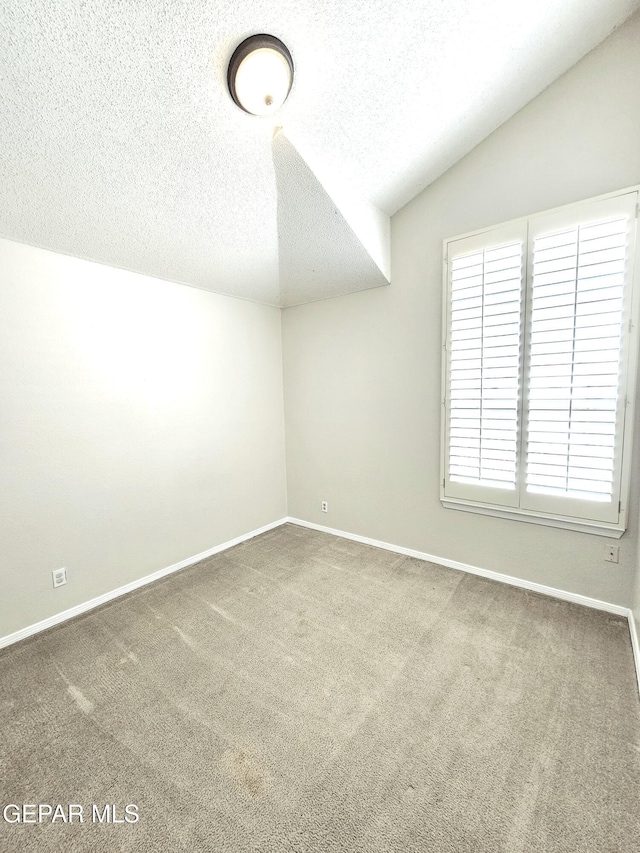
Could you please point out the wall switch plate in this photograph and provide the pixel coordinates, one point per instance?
(59, 577)
(612, 553)
(325, 506)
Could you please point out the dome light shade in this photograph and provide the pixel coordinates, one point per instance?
(260, 74)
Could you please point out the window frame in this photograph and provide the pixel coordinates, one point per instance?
(475, 500)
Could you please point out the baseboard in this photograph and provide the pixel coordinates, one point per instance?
(473, 570)
(562, 594)
(573, 597)
(635, 645)
(30, 630)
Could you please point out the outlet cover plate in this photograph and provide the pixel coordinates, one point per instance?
(612, 553)
(59, 577)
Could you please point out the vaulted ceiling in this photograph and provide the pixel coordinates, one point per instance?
(119, 142)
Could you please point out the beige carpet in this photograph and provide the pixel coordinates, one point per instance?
(304, 693)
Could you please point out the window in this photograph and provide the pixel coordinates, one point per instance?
(540, 338)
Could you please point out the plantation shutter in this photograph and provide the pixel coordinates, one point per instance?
(484, 350)
(540, 366)
(578, 314)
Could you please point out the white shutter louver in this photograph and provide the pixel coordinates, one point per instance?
(541, 347)
(574, 362)
(484, 338)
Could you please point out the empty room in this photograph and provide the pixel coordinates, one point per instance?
(319, 434)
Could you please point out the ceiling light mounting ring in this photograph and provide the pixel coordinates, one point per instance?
(260, 74)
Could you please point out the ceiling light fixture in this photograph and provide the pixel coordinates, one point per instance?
(260, 74)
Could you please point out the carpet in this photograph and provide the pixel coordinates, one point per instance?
(304, 693)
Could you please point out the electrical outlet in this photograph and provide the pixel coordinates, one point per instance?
(325, 506)
(59, 577)
(612, 553)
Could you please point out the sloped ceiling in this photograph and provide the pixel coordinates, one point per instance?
(119, 141)
(320, 254)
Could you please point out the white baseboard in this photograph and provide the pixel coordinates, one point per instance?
(635, 644)
(584, 600)
(30, 630)
(562, 594)
(473, 570)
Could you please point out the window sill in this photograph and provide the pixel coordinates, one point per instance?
(612, 531)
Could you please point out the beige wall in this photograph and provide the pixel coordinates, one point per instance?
(362, 372)
(141, 423)
(636, 602)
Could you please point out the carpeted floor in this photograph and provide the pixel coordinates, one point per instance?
(302, 692)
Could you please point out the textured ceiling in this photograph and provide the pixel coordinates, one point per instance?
(320, 254)
(120, 143)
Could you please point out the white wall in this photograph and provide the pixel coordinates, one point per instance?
(362, 372)
(141, 423)
(636, 604)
